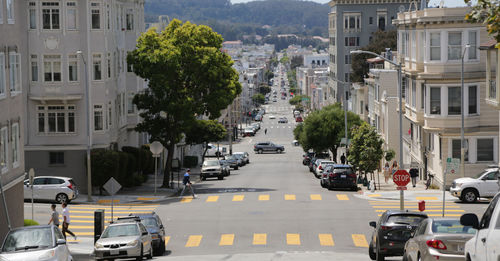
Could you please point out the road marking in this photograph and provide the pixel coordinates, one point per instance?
(427, 206)
(342, 197)
(374, 195)
(238, 197)
(186, 199)
(167, 238)
(84, 233)
(114, 211)
(226, 240)
(81, 227)
(263, 197)
(250, 140)
(212, 199)
(109, 208)
(289, 197)
(326, 240)
(359, 240)
(289, 127)
(259, 239)
(194, 241)
(430, 210)
(146, 199)
(293, 239)
(426, 198)
(315, 197)
(104, 201)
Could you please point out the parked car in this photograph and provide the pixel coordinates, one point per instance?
(484, 244)
(241, 159)
(438, 239)
(258, 117)
(245, 155)
(211, 168)
(340, 176)
(321, 166)
(124, 240)
(226, 168)
(484, 185)
(272, 117)
(256, 125)
(274, 99)
(298, 119)
(391, 232)
(153, 224)
(51, 188)
(295, 142)
(283, 120)
(35, 243)
(248, 132)
(233, 161)
(262, 147)
(307, 158)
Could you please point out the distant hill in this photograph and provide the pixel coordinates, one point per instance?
(303, 18)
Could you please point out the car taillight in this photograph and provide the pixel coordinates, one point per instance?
(70, 186)
(324, 175)
(385, 227)
(437, 244)
(321, 168)
(352, 175)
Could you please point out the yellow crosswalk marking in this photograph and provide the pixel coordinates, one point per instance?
(194, 241)
(293, 239)
(226, 240)
(146, 199)
(263, 197)
(167, 238)
(83, 233)
(259, 239)
(359, 240)
(315, 197)
(186, 199)
(326, 240)
(289, 197)
(342, 197)
(105, 201)
(80, 227)
(238, 197)
(374, 195)
(212, 198)
(426, 198)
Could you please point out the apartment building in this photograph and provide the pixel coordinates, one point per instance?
(431, 43)
(351, 24)
(74, 44)
(13, 53)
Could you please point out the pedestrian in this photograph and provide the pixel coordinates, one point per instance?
(265, 131)
(54, 216)
(342, 158)
(387, 173)
(414, 176)
(66, 220)
(394, 167)
(187, 183)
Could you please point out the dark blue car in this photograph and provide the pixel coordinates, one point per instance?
(153, 224)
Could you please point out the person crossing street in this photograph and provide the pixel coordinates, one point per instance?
(187, 183)
(66, 221)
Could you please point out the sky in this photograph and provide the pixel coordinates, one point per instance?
(447, 3)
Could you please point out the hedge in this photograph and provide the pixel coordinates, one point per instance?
(190, 161)
(30, 222)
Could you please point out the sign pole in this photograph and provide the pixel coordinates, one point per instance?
(444, 190)
(156, 170)
(31, 174)
(112, 200)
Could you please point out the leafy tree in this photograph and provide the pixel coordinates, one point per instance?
(297, 99)
(296, 61)
(284, 59)
(187, 75)
(203, 132)
(389, 155)
(487, 12)
(264, 89)
(380, 41)
(269, 75)
(300, 135)
(365, 151)
(258, 99)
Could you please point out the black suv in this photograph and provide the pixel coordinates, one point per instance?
(153, 224)
(391, 232)
(339, 176)
(262, 147)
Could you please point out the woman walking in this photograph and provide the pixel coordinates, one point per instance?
(394, 168)
(387, 173)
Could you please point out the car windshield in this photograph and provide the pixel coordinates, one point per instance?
(230, 157)
(211, 163)
(29, 238)
(412, 220)
(149, 222)
(121, 231)
(343, 170)
(451, 227)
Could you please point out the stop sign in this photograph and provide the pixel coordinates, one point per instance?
(401, 178)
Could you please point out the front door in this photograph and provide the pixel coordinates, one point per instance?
(491, 184)
(39, 187)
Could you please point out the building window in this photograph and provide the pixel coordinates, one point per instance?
(32, 15)
(50, 15)
(454, 45)
(370, 20)
(130, 105)
(34, 68)
(472, 99)
(351, 41)
(71, 16)
(56, 119)
(435, 100)
(10, 11)
(361, 107)
(96, 16)
(130, 19)
(98, 118)
(456, 149)
(473, 45)
(56, 158)
(52, 68)
(15, 72)
(381, 21)
(352, 21)
(435, 46)
(346, 76)
(485, 149)
(108, 17)
(2, 74)
(1, 11)
(72, 68)
(110, 114)
(422, 96)
(15, 144)
(4, 153)
(347, 59)
(413, 93)
(109, 65)
(454, 100)
(97, 67)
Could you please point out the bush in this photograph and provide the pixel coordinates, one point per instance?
(105, 164)
(29, 222)
(190, 161)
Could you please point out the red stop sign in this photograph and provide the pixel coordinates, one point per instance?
(401, 177)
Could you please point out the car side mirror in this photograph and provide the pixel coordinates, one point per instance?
(470, 220)
(161, 226)
(373, 224)
(61, 242)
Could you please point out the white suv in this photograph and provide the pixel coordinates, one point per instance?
(484, 185)
(60, 189)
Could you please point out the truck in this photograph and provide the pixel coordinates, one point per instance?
(483, 185)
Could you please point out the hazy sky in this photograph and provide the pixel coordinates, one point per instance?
(447, 3)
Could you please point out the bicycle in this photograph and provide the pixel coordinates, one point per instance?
(429, 181)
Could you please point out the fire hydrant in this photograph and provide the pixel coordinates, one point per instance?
(421, 205)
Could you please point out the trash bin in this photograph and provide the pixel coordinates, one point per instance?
(98, 223)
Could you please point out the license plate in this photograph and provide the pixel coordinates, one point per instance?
(342, 176)
(460, 248)
(114, 252)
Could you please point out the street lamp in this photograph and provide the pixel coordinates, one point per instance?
(89, 138)
(400, 94)
(462, 112)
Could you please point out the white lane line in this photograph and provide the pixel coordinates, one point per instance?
(250, 140)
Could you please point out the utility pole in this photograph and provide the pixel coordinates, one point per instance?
(230, 132)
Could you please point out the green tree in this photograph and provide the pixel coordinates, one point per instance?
(203, 132)
(284, 59)
(297, 99)
(296, 61)
(487, 12)
(264, 89)
(268, 75)
(187, 75)
(389, 155)
(258, 99)
(365, 151)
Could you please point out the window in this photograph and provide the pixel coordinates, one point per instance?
(15, 144)
(10, 11)
(72, 68)
(332, 41)
(435, 46)
(352, 21)
(130, 19)
(361, 107)
(381, 21)
(71, 16)
(130, 105)
(454, 45)
(370, 20)
(96, 16)
(15, 72)
(435, 100)
(473, 45)
(2, 74)
(347, 77)
(472, 99)
(485, 149)
(50, 15)
(456, 149)
(454, 100)
(56, 158)
(34, 68)
(377, 91)
(56, 119)
(52, 68)
(98, 118)
(347, 59)
(97, 67)
(488, 214)
(1, 11)
(109, 65)
(351, 41)
(108, 17)
(422, 96)
(413, 93)
(32, 16)
(4, 153)
(110, 114)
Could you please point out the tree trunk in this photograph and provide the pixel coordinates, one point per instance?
(168, 167)
(204, 153)
(334, 152)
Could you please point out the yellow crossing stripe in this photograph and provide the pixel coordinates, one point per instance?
(426, 198)
(259, 239)
(146, 199)
(194, 241)
(212, 199)
(263, 197)
(374, 195)
(342, 197)
(293, 239)
(359, 240)
(289, 197)
(315, 197)
(83, 233)
(238, 197)
(105, 201)
(186, 199)
(326, 240)
(226, 240)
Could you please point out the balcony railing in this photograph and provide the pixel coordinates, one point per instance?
(493, 89)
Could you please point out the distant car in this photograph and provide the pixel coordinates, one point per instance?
(153, 224)
(51, 188)
(233, 161)
(272, 117)
(226, 168)
(248, 132)
(246, 156)
(321, 166)
(295, 142)
(262, 147)
(340, 176)
(211, 168)
(258, 117)
(283, 120)
(298, 119)
(124, 240)
(256, 125)
(32, 243)
(391, 232)
(274, 99)
(307, 158)
(438, 239)
(470, 189)
(241, 159)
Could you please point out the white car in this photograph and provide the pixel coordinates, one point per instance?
(484, 185)
(321, 166)
(214, 150)
(272, 117)
(59, 189)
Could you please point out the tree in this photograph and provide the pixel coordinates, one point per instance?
(297, 99)
(203, 132)
(187, 75)
(268, 75)
(365, 151)
(296, 61)
(258, 99)
(487, 12)
(389, 155)
(264, 89)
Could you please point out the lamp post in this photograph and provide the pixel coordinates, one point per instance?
(462, 112)
(89, 138)
(400, 96)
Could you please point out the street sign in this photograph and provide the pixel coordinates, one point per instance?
(401, 178)
(112, 186)
(31, 174)
(156, 147)
(401, 188)
(452, 165)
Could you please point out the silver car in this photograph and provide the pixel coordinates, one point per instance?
(442, 239)
(59, 189)
(124, 240)
(35, 243)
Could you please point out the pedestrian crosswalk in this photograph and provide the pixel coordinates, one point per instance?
(432, 208)
(259, 197)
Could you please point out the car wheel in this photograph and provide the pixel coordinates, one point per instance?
(405, 257)
(259, 151)
(379, 256)
(139, 258)
(220, 177)
(278, 151)
(61, 197)
(203, 178)
(322, 184)
(469, 196)
(150, 255)
(371, 253)
(235, 168)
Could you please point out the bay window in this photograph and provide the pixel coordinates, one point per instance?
(435, 100)
(32, 16)
(352, 21)
(4, 152)
(485, 149)
(97, 67)
(10, 11)
(3, 79)
(34, 68)
(454, 101)
(56, 119)
(456, 147)
(15, 144)
(95, 16)
(472, 99)
(473, 45)
(435, 46)
(72, 68)
(71, 16)
(52, 68)
(15, 72)
(129, 19)
(454, 45)
(98, 118)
